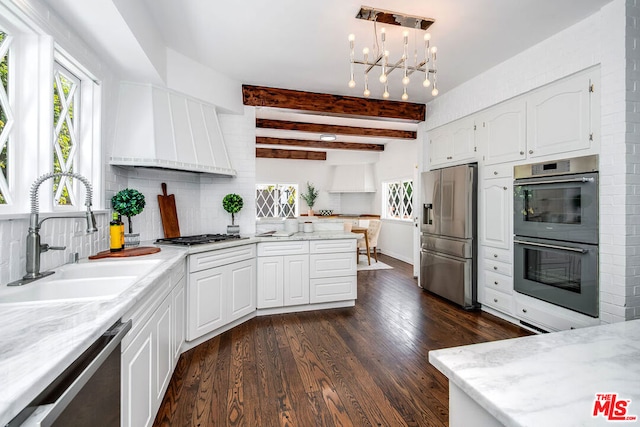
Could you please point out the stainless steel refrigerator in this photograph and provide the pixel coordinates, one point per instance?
(448, 241)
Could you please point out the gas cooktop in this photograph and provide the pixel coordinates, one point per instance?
(200, 239)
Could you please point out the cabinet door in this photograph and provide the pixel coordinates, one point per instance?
(496, 212)
(163, 351)
(178, 296)
(558, 117)
(205, 295)
(296, 279)
(242, 294)
(270, 279)
(504, 132)
(463, 138)
(440, 143)
(137, 380)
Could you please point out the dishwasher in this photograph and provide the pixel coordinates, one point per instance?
(87, 393)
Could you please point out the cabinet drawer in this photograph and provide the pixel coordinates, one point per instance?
(332, 265)
(497, 254)
(332, 246)
(217, 258)
(290, 247)
(498, 267)
(550, 317)
(333, 289)
(498, 171)
(498, 282)
(498, 300)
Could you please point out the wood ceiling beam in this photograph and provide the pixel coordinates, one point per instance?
(319, 144)
(271, 153)
(260, 96)
(335, 129)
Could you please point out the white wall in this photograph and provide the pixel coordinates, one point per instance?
(606, 38)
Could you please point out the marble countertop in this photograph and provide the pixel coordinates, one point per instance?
(39, 340)
(550, 379)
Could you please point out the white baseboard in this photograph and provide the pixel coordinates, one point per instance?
(397, 256)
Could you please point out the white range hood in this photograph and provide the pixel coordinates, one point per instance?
(160, 128)
(356, 178)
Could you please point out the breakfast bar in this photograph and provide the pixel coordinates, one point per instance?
(569, 378)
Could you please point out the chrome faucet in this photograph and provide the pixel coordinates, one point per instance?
(34, 247)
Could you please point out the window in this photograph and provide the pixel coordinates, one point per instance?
(66, 109)
(276, 200)
(398, 200)
(6, 117)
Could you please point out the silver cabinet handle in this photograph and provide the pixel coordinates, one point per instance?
(495, 172)
(495, 268)
(505, 188)
(546, 245)
(495, 255)
(555, 181)
(522, 153)
(495, 282)
(495, 300)
(524, 310)
(530, 151)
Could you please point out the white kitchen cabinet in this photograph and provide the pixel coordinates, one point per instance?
(178, 324)
(220, 288)
(496, 212)
(502, 130)
(333, 271)
(559, 116)
(283, 279)
(453, 143)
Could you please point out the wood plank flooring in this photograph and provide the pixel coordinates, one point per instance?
(360, 366)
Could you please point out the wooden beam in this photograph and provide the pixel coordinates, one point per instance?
(271, 153)
(260, 96)
(336, 129)
(319, 144)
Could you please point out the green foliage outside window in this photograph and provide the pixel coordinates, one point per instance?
(63, 139)
(4, 76)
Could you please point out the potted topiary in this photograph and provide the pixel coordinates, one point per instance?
(232, 203)
(129, 203)
(310, 197)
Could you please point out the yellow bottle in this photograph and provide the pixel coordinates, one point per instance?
(115, 235)
(121, 229)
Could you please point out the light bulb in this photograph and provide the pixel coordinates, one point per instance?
(405, 80)
(365, 51)
(405, 96)
(352, 37)
(385, 94)
(366, 93)
(427, 37)
(352, 83)
(434, 49)
(383, 30)
(386, 53)
(405, 34)
(383, 78)
(434, 92)
(426, 83)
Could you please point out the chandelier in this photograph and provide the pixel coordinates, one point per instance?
(380, 57)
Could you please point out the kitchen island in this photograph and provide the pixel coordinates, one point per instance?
(546, 380)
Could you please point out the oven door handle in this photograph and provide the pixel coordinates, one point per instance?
(555, 181)
(545, 245)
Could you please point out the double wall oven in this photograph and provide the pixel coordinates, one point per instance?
(556, 232)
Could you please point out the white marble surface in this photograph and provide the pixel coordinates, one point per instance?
(39, 340)
(551, 379)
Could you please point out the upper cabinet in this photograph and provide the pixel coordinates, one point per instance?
(502, 132)
(156, 127)
(559, 116)
(453, 143)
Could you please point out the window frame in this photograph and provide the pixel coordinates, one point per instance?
(279, 185)
(405, 216)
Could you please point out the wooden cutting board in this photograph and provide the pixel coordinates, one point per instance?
(140, 250)
(168, 213)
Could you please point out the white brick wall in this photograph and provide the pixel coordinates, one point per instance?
(608, 38)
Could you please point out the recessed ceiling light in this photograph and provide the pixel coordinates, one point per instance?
(327, 137)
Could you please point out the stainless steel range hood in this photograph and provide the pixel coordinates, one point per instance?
(160, 128)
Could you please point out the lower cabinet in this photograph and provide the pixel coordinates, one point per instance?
(221, 289)
(151, 350)
(283, 280)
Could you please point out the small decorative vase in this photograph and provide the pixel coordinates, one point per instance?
(233, 230)
(310, 212)
(131, 240)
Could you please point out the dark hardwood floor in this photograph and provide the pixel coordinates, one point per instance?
(360, 366)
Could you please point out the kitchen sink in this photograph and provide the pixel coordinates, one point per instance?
(83, 281)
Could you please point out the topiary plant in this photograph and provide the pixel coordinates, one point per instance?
(232, 203)
(129, 203)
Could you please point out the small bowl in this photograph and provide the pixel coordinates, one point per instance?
(326, 212)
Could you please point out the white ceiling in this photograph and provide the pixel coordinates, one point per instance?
(302, 44)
